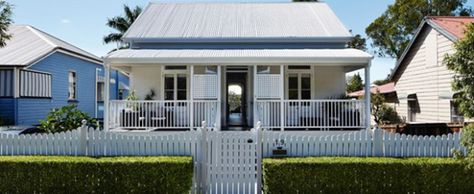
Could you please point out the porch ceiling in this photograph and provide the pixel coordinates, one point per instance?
(333, 57)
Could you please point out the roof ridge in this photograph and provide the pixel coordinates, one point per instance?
(41, 35)
(48, 39)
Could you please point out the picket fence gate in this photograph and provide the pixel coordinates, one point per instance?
(229, 162)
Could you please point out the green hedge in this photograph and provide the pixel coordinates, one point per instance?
(366, 175)
(95, 175)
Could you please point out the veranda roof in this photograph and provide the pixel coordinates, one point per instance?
(240, 56)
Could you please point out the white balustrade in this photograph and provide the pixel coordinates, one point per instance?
(161, 114)
(322, 114)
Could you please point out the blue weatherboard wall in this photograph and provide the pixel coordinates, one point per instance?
(31, 110)
(114, 89)
(7, 109)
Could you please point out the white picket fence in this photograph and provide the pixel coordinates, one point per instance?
(229, 162)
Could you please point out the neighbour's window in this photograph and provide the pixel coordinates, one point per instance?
(456, 115)
(72, 85)
(413, 107)
(100, 91)
(299, 86)
(175, 87)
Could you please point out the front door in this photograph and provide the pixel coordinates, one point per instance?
(236, 113)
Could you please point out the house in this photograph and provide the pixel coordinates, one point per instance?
(39, 72)
(236, 64)
(422, 81)
(387, 90)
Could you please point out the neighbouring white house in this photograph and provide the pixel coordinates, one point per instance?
(235, 64)
(422, 80)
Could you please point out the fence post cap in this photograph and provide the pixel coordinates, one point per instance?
(84, 122)
(259, 125)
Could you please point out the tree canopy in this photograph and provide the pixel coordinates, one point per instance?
(5, 21)
(358, 43)
(462, 63)
(392, 31)
(355, 84)
(121, 24)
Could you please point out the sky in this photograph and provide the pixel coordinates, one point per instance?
(82, 22)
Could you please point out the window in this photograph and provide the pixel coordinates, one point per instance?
(72, 85)
(456, 115)
(100, 91)
(299, 86)
(175, 87)
(413, 107)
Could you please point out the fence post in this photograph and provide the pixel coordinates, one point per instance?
(259, 156)
(377, 139)
(203, 157)
(83, 138)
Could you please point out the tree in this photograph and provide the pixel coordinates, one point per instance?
(392, 31)
(462, 63)
(5, 21)
(358, 43)
(355, 84)
(121, 24)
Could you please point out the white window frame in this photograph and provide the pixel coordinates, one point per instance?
(300, 73)
(174, 74)
(74, 85)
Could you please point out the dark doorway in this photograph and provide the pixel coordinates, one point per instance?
(236, 114)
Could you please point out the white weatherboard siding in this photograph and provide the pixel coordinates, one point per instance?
(427, 77)
(330, 82)
(142, 79)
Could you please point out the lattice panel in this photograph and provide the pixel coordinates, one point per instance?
(268, 86)
(205, 87)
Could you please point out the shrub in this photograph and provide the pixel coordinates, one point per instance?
(467, 141)
(388, 115)
(95, 175)
(65, 118)
(366, 175)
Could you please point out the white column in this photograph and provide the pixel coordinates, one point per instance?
(282, 97)
(191, 101)
(255, 114)
(106, 96)
(219, 98)
(367, 96)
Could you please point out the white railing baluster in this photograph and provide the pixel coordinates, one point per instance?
(318, 114)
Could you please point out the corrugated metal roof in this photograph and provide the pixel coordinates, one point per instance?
(237, 21)
(239, 56)
(29, 44)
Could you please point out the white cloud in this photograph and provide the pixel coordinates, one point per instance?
(65, 21)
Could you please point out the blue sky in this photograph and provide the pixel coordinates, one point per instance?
(82, 23)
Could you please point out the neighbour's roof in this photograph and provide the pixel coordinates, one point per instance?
(382, 89)
(452, 27)
(29, 44)
(251, 56)
(229, 21)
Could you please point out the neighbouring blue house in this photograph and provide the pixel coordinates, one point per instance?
(39, 72)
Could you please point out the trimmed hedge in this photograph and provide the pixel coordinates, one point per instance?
(95, 175)
(366, 175)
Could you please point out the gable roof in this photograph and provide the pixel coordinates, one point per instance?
(28, 45)
(174, 22)
(451, 27)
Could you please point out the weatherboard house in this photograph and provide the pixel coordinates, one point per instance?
(236, 64)
(39, 72)
(422, 80)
